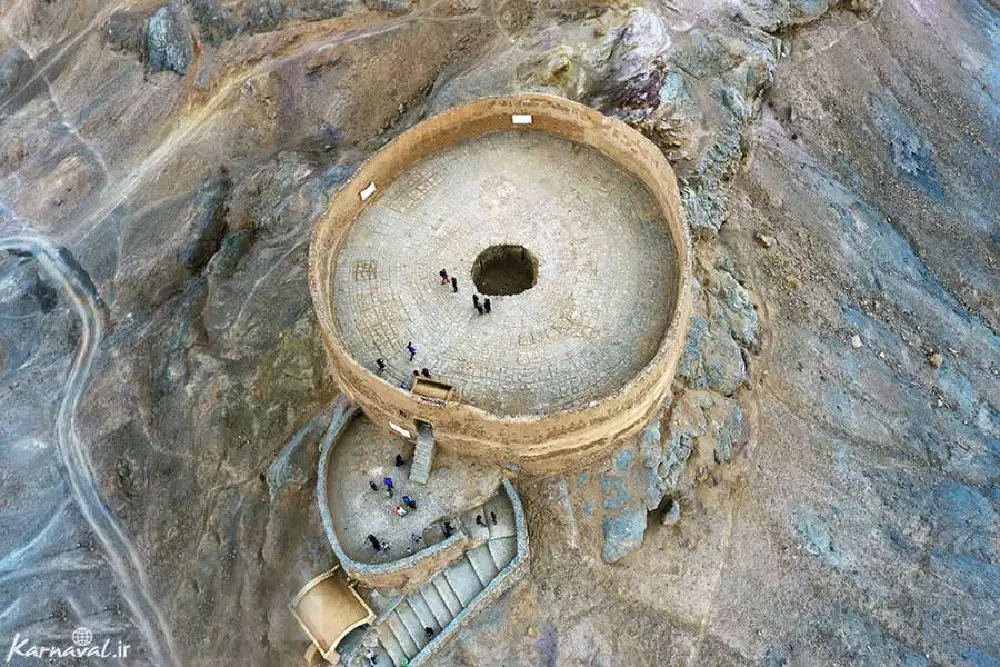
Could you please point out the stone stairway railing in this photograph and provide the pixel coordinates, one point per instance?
(452, 595)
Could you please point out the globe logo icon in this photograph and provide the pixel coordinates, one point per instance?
(82, 636)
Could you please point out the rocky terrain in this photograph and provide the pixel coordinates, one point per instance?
(824, 487)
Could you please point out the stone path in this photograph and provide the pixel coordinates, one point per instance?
(604, 292)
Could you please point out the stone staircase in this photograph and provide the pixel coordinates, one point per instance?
(402, 633)
(423, 454)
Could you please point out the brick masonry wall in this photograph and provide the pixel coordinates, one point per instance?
(533, 445)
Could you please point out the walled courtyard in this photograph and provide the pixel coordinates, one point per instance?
(365, 452)
(571, 250)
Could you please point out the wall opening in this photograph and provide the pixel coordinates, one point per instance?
(504, 270)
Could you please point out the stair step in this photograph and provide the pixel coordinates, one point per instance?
(475, 531)
(437, 605)
(410, 647)
(482, 563)
(423, 455)
(503, 550)
(382, 656)
(447, 594)
(424, 614)
(412, 623)
(391, 645)
(464, 580)
(501, 507)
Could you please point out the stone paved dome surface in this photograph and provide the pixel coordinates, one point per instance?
(604, 291)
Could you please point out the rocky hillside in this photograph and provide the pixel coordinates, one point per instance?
(824, 487)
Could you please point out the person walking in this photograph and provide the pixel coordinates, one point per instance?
(444, 276)
(426, 373)
(381, 364)
(493, 518)
(480, 522)
(400, 461)
(373, 485)
(410, 502)
(454, 284)
(388, 485)
(486, 305)
(374, 542)
(475, 301)
(412, 350)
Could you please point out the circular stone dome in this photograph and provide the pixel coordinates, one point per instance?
(567, 221)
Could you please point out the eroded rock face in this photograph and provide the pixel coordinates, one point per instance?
(168, 44)
(799, 501)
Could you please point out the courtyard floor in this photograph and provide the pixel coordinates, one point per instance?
(365, 452)
(605, 275)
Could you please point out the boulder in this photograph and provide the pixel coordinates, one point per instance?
(167, 40)
(622, 534)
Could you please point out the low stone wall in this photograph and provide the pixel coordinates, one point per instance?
(536, 444)
(404, 573)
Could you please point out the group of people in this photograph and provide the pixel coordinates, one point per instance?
(423, 372)
(401, 509)
(482, 305)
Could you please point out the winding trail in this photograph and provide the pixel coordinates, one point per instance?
(131, 577)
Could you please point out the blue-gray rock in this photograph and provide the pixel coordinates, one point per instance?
(233, 247)
(206, 224)
(727, 433)
(650, 444)
(739, 309)
(911, 151)
(16, 67)
(168, 43)
(722, 359)
(704, 210)
(614, 491)
(642, 40)
(623, 459)
(813, 533)
(675, 458)
(394, 6)
(622, 534)
(671, 514)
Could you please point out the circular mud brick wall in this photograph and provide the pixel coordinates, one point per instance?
(569, 221)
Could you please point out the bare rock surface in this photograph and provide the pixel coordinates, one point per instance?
(164, 386)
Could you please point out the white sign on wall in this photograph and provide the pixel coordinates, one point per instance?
(368, 192)
(400, 430)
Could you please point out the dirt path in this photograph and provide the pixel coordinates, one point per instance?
(76, 286)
